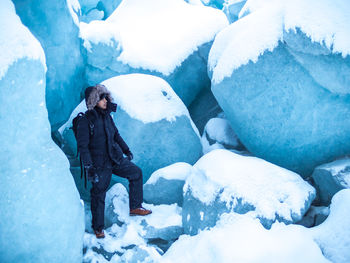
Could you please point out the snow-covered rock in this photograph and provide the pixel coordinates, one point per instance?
(151, 119)
(281, 74)
(238, 238)
(333, 236)
(167, 38)
(41, 216)
(330, 178)
(165, 186)
(223, 181)
(55, 25)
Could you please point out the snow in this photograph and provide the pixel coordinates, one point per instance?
(157, 34)
(272, 190)
(326, 22)
(176, 171)
(333, 236)
(20, 43)
(99, 31)
(74, 10)
(239, 238)
(144, 97)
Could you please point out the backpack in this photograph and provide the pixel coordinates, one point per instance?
(74, 127)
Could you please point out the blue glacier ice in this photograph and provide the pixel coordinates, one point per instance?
(330, 178)
(97, 9)
(203, 108)
(165, 186)
(152, 120)
(170, 40)
(225, 182)
(232, 9)
(55, 25)
(287, 93)
(41, 213)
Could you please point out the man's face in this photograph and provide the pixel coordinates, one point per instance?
(102, 104)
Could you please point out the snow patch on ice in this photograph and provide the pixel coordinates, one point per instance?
(176, 171)
(146, 97)
(74, 10)
(324, 21)
(20, 43)
(156, 34)
(272, 190)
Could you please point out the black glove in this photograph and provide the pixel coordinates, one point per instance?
(129, 155)
(92, 176)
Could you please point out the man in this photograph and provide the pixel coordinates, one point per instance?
(101, 149)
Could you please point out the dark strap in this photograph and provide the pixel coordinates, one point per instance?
(82, 172)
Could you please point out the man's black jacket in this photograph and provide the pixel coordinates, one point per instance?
(105, 144)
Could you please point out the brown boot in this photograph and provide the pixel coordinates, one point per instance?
(99, 234)
(140, 212)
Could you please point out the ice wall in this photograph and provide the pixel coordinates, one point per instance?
(52, 23)
(41, 216)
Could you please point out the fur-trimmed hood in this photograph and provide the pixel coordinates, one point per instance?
(92, 95)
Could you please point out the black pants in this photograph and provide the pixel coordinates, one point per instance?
(98, 191)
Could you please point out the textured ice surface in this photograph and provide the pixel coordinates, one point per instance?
(238, 238)
(167, 38)
(333, 236)
(39, 203)
(165, 185)
(52, 24)
(330, 178)
(203, 108)
(294, 111)
(151, 119)
(223, 181)
(218, 134)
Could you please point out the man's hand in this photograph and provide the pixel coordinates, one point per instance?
(91, 174)
(129, 155)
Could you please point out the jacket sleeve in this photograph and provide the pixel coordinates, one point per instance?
(83, 139)
(120, 140)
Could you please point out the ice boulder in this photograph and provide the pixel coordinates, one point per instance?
(165, 186)
(41, 216)
(218, 134)
(238, 238)
(224, 182)
(151, 119)
(330, 178)
(55, 25)
(166, 38)
(333, 236)
(281, 74)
